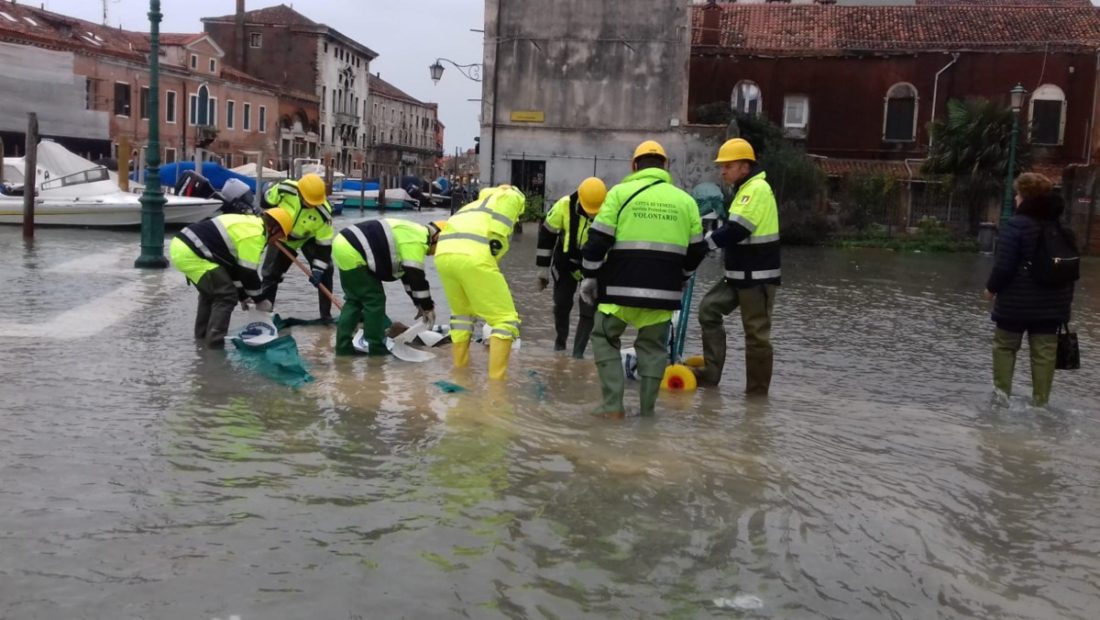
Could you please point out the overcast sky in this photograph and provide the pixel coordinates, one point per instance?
(408, 36)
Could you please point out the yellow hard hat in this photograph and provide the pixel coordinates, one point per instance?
(737, 149)
(591, 193)
(649, 147)
(312, 189)
(282, 217)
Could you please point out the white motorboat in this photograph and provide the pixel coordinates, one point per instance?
(395, 199)
(73, 191)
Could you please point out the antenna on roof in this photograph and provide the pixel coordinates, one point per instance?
(104, 12)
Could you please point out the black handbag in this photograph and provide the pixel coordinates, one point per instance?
(1069, 353)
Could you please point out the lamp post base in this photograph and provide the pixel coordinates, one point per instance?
(151, 261)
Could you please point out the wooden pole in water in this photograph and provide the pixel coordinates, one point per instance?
(1, 160)
(363, 189)
(30, 176)
(124, 164)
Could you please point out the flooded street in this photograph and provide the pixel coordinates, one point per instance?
(142, 477)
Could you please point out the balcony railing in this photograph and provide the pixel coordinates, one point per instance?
(343, 118)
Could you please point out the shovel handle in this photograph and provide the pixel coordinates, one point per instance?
(305, 270)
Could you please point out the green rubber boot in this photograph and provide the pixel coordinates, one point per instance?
(1005, 347)
(1044, 351)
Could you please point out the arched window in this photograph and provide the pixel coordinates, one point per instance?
(899, 123)
(201, 112)
(1047, 115)
(747, 98)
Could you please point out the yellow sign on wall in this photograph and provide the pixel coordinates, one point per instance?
(528, 116)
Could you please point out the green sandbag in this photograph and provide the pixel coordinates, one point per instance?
(277, 360)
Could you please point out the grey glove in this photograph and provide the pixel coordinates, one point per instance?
(590, 289)
(544, 280)
(428, 316)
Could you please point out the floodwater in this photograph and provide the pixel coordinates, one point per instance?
(141, 477)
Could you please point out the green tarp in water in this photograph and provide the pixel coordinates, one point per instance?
(277, 360)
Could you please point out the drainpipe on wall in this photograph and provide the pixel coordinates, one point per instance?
(1092, 120)
(935, 93)
(496, 94)
(238, 37)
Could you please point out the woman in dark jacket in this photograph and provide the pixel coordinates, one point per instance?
(1021, 303)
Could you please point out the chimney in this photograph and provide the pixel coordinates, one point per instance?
(712, 25)
(238, 39)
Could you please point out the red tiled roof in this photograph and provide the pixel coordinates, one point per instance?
(800, 29)
(843, 167)
(1074, 3)
(280, 15)
(897, 169)
(180, 38)
(49, 30)
(383, 88)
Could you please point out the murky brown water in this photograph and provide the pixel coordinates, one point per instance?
(143, 478)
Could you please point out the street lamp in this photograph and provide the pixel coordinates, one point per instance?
(152, 199)
(472, 72)
(1016, 100)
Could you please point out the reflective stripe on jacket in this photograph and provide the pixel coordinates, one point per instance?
(565, 222)
(645, 241)
(750, 238)
(310, 223)
(235, 242)
(394, 249)
(473, 229)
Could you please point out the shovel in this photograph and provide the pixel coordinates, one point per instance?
(399, 346)
(321, 287)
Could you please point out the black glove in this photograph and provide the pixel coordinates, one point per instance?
(495, 246)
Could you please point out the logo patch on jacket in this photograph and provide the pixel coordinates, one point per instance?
(745, 199)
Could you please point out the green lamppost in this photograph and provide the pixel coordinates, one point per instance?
(1017, 102)
(152, 199)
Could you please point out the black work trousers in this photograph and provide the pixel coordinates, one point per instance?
(275, 266)
(565, 288)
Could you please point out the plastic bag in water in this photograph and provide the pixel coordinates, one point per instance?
(741, 602)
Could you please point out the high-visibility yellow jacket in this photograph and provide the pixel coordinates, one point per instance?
(391, 249)
(562, 235)
(483, 226)
(645, 241)
(750, 238)
(310, 223)
(235, 242)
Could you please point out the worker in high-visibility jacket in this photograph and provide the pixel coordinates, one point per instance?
(750, 243)
(561, 237)
(470, 247)
(370, 253)
(308, 205)
(645, 243)
(221, 257)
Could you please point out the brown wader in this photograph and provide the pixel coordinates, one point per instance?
(565, 287)
(217, 298)
(756, 303)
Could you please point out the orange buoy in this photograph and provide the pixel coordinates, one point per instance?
(678, 378)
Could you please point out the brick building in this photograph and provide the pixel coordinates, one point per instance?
(865, 82)
(406, 137)
(97, 80)
(326, 71)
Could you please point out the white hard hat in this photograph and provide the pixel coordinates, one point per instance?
(234, 189)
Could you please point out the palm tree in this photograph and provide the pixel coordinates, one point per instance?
(970, 152)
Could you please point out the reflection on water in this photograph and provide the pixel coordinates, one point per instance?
(144, 478)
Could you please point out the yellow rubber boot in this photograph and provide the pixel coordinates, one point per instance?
(461, 353)
(499, 352)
